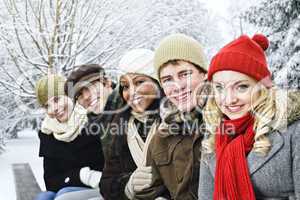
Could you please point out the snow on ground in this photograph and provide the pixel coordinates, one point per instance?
(21, 150)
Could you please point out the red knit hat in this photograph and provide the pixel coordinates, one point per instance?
(244, 55)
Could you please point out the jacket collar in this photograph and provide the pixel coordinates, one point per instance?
(256, 161)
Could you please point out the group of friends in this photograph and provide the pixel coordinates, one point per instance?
(171, 127)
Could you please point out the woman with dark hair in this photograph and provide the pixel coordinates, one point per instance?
(125, 171)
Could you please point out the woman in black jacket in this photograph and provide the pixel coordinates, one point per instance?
(125, 171)
(65, 143)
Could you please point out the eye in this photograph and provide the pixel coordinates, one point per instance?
(218, 88)
(186, 73)
(166, 80)
(139, 82)
(242, 87)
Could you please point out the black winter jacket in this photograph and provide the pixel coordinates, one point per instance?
(63, 160)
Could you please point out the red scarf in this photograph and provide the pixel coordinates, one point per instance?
(234, 140)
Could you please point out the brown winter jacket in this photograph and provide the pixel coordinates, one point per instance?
(175, 159)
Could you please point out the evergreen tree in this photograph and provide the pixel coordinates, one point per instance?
(281, 22)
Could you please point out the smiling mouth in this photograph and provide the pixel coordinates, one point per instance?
(183, 96)
(93, 102)
(136, 99)
(234, 109)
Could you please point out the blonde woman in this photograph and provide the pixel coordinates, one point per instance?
(251, 151)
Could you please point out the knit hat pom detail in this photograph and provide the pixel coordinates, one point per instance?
(261, 40)
(245, 55)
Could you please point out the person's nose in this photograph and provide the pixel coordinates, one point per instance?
(132, 91)
(52, 110)
(180, 84)
(230, 97)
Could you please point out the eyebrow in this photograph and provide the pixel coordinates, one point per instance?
(241, 81)
(139, 76)
(164, 77)
(235, 83)
(180, 72)
(185, 70)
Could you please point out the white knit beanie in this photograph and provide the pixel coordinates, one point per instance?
(138, 61)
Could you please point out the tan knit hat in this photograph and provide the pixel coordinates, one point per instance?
(49, 86)
(179, 47)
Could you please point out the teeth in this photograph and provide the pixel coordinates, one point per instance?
(233, 108)
(182, 96)
(93, 102)
(136, 100)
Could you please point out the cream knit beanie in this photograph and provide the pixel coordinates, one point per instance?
(138, 61)
(179, 47)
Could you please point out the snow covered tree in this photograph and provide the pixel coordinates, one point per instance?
(3, 112)
(43, 37)
(281, 22)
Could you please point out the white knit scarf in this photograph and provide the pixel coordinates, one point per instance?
(69, 130)
(138, 148)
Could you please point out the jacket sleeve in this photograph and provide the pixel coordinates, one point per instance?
(157, 189)
(206, 182)
(56, 180)
(114, 179)
(296, 159)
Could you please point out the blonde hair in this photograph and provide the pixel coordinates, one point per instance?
(267, 117)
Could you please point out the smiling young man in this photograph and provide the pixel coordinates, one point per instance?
(90, 88)
(174, 151)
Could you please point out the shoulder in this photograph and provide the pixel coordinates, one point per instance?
(47, 137)
(118, 145)
(162, 143)
(159, 140)
(292, 137)
(292, 129)
(290, 134)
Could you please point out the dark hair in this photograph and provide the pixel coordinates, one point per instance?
(79, 74)
(156, 103)
(161, 93)
(176, 62)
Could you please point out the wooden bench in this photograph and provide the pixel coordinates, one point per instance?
(25, 183)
